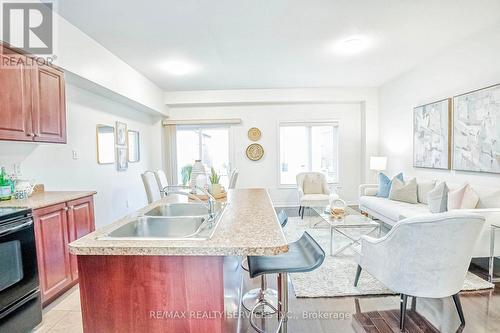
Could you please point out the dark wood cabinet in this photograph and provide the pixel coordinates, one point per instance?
(32, 99)
(15, 100)
(51, 230)
(55, 227)
(49, 110)
(81, 223)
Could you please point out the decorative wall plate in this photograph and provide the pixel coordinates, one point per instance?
(254, 134)
(255, 152)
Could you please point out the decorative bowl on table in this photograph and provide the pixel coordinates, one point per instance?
(337, 209)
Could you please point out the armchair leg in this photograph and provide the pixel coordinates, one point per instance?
(402, 312)
(302, 215)
(458, 305)
(358, 273)
(300, 209)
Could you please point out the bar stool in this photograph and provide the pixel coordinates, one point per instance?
(304, 255)
(254, 296)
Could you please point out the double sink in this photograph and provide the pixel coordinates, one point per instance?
(172, 221)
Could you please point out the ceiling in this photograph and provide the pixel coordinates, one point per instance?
(245, 44)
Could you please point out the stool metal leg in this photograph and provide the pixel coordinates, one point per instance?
(283, 301)
(282, 309)
(256, 296)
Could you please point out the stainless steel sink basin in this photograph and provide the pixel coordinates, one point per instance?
(172, 222)
(159, 227)
(179, 209)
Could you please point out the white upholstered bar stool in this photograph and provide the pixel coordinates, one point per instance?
(151, 186)
(162, 181)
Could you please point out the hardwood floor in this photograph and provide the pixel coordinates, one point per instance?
(380, 314)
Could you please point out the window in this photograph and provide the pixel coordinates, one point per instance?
(308, 147)
(210, 144)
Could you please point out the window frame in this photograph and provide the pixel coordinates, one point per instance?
(309, 123)
(230, 134)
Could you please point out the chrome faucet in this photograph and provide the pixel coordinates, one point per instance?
(210, 204)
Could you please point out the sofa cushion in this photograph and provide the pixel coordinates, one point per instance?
(455, 197)
(394, 210)
(423, 189)
(438, 198)
(404, 191)
(470, 199)
(384, 184)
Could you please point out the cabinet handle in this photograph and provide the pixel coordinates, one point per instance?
(71, 207)
(30, 134)
(66, 209)
(35, 135)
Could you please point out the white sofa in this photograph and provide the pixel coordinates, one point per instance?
(390, 211)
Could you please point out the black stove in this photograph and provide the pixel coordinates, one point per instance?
(8, 213)
(20, 300)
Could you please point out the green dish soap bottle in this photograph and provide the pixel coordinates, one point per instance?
(5, 186)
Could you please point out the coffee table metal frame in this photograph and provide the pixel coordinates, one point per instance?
(340, 226)
(491, 278)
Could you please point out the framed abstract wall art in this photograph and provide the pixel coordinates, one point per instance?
(431, 135)
(476, 130)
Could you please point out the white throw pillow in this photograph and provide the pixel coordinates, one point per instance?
(313, 185)
(438, 198)
(404, 191)
(423, 189)
(470, 198)
(455, 197)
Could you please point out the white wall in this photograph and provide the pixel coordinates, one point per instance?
(472, 64)
(264, 173)
(366, 97)
(118, 193)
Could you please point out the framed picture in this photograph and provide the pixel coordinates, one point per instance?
(134, 147)
(121, 159)
(476, 130)
(121, 134)
(431, 135)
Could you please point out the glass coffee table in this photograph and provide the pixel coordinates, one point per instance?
(352, 219)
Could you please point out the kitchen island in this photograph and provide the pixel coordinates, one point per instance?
(161, 285)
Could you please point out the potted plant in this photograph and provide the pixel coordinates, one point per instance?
(186, 173)
(214, 180)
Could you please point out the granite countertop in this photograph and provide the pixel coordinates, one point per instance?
(249, 226)
(48, 198)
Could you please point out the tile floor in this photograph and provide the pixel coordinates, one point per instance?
(63, 315)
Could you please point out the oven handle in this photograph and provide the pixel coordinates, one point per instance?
(17, 227)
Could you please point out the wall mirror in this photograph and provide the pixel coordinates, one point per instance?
(105, 144)
(134, 154)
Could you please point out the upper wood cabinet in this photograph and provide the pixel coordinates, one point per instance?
(32, 100)
(49, 110)
(15, 100)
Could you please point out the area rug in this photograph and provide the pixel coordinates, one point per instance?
(336, 275)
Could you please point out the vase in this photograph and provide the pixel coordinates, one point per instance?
(198, 169)
(216, 189)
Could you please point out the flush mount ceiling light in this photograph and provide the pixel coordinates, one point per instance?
(352, 45)
(179, 67)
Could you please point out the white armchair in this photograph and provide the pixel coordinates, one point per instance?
(313, 190)
(424, 256)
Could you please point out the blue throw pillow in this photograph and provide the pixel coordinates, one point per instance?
(384, 184)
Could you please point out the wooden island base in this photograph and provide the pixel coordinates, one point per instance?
(159, 293)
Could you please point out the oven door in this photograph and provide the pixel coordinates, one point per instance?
(18, 265)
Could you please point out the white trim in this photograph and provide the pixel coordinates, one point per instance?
(314, 122)
(227, 121)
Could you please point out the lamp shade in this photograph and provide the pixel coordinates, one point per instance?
(378, 163)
